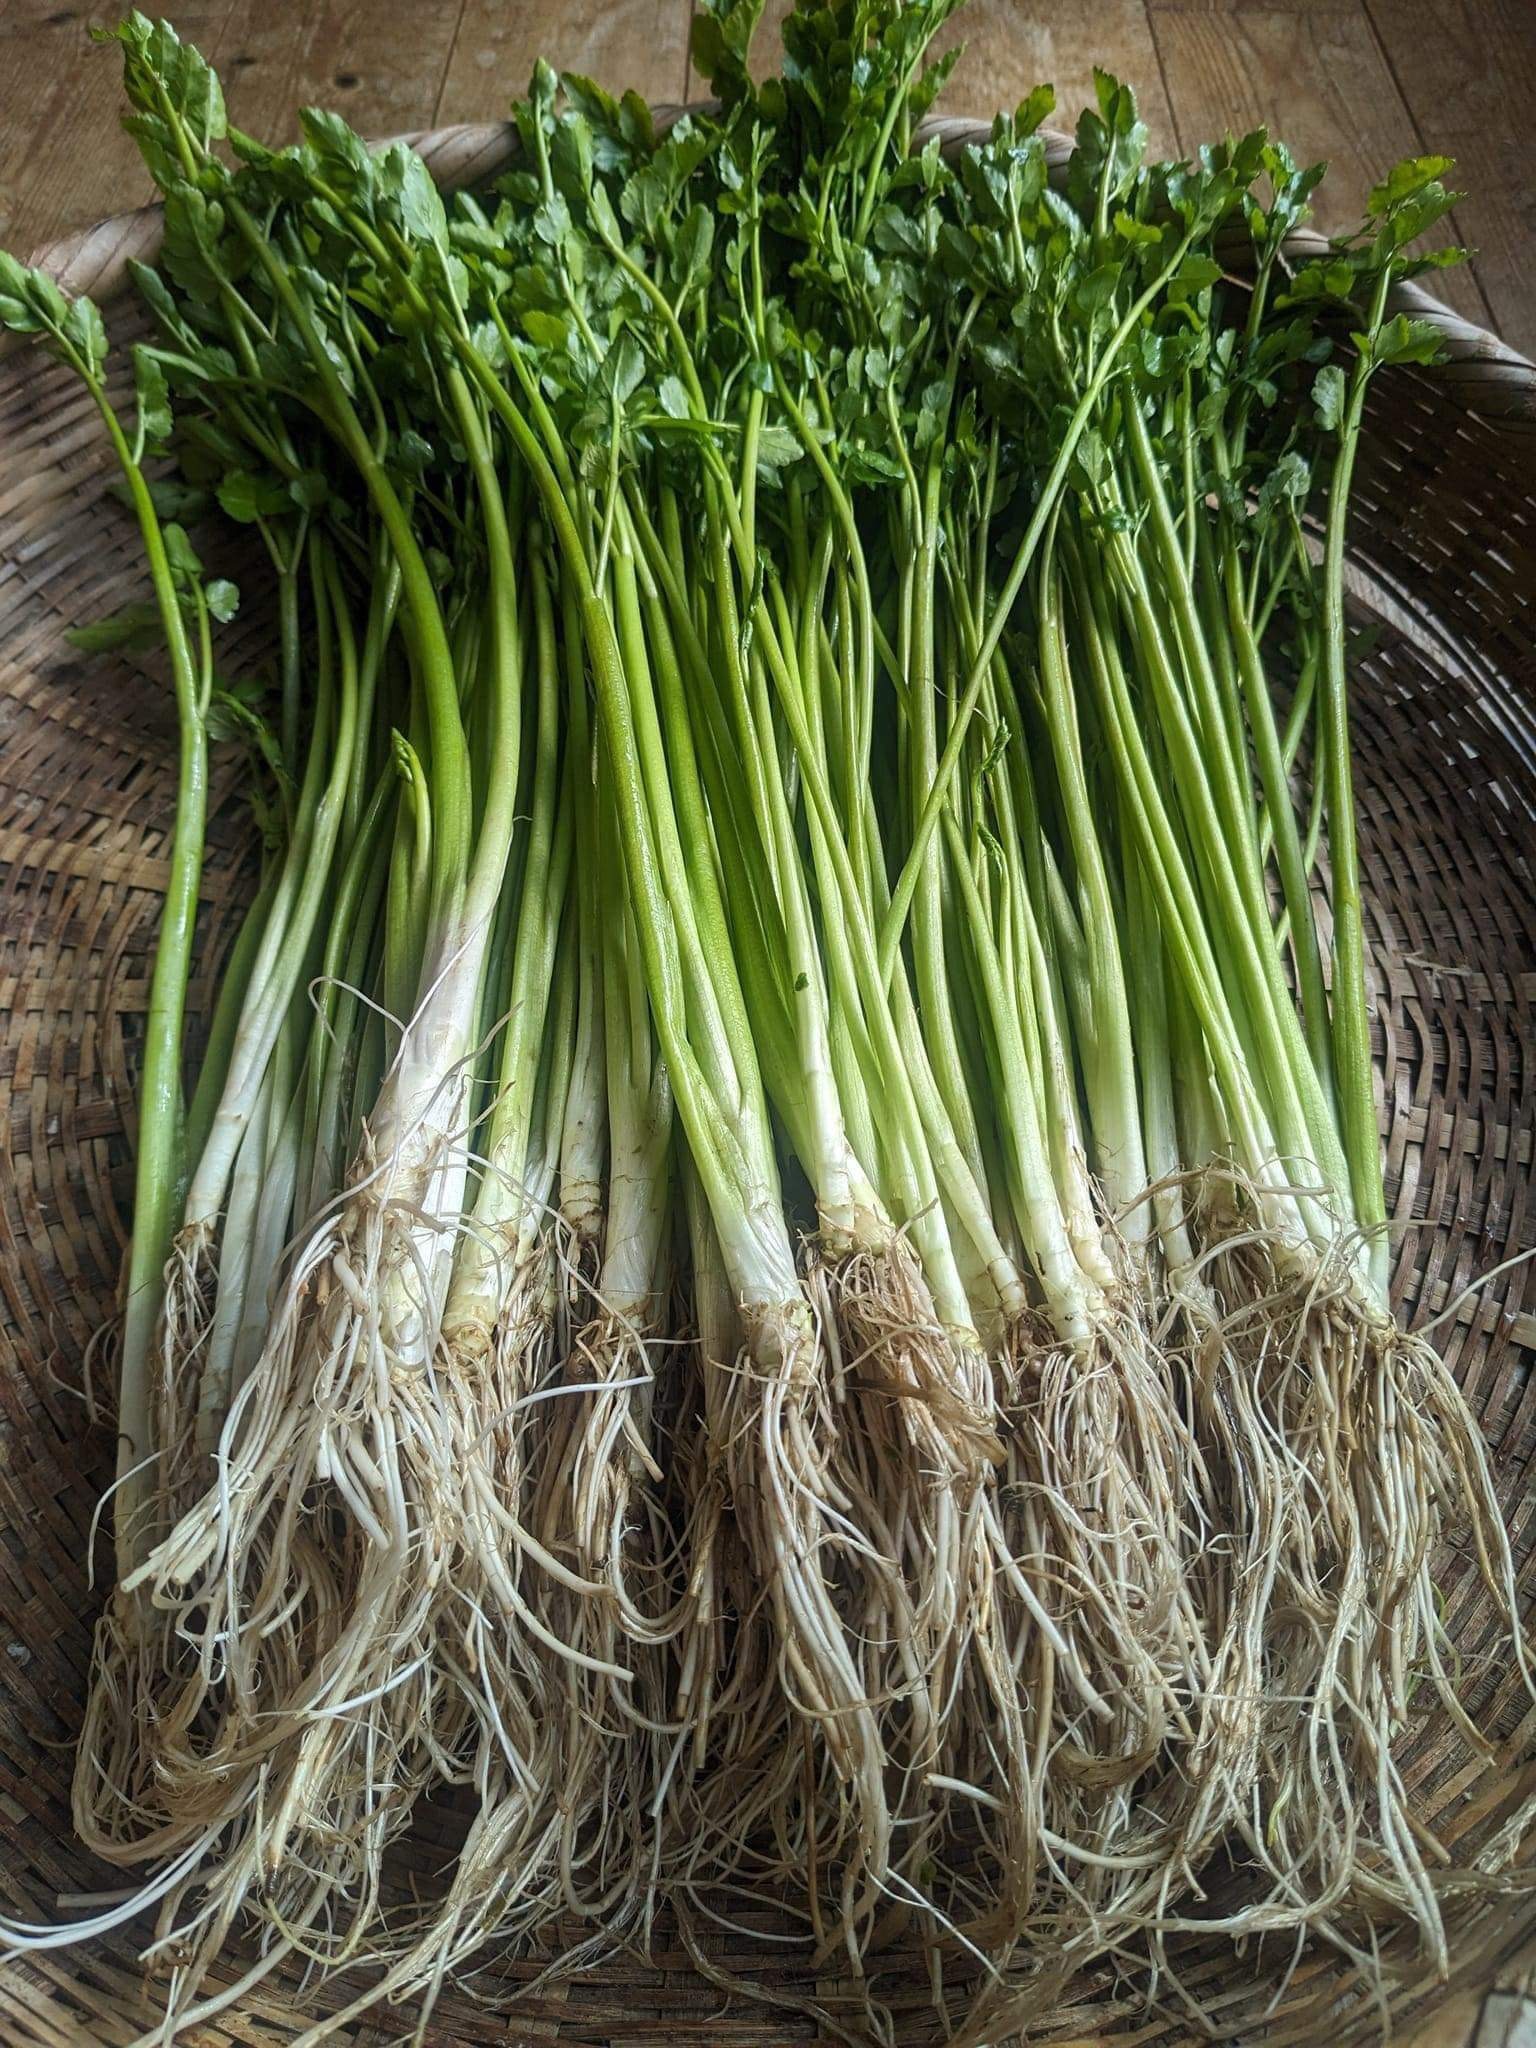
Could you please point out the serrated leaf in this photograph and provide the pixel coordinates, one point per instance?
(405, 179)
(1195, 274)
(863, 464)
(234, 713)
(1289, 481)
(1402, 340)
(777, 448)
(673, 398)
(552, 221)
(30, 301)
(695, 239)
(1141, 231)
(550, 331)
(1407, 179)
(1097, 289)
(222, 598)
(1211, 410)
(153, 399)
(1091, 457)
(342, 155)
(250, 151)
(1436, 259)
(247, 498)
(1328, 396)
(281, 365)
(623, 368)
(85, 332)
(1038, 107)
(604, 219)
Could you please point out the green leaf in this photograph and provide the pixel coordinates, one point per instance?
(342, 156)
(695, 239)
(136, 625)
(152, 289)
(623, 368)
(190, 251)
(181, 554)
(405, 181)
(172, 86)
(309, 490)
(234, 713)
(593, 101)
(552, 221)
(549, 331)
(30, 301)
(644, 200)
(247, 498)
(171, 498)
(222, 598)
(863, 464)
(157, 146)
(635, 122)
(85, 333)
(413, 452)
(720, 44)
(1402, 340)
(1211, 410)
(1110, 143)
(1194, 275)
(17, 316)
(1288, 482)
(250, 151)
(1097, 289)
(1406, 180)
(604, 219)
(1142, 231)
(673, 397)
(1039, 106)
(1091, 457)
(1436, 259)
(777, 448)
(1328, 395)
(153, 398)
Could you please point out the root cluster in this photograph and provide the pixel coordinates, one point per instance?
(994, 1654)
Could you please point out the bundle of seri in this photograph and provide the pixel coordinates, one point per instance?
(893, 1428)
(1091, 1646)
(1333, 1452)
(319, 1613)
(773, 1286)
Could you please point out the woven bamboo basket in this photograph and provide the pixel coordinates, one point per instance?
(1444, 561)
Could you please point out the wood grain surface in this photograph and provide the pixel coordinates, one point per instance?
(1314, 74)
(1359, 82)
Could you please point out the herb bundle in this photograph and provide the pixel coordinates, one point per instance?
(772, 1282)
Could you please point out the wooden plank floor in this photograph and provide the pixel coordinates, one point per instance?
(1360, 82)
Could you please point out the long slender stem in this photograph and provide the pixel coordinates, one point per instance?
(1351, 1023)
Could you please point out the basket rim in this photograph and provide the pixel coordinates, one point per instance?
(1479, 372)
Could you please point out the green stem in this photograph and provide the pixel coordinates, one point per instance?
(158, 1164)
(1045, 504)
(1351, 1022)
